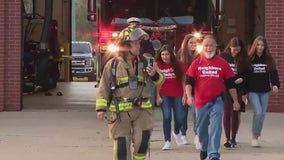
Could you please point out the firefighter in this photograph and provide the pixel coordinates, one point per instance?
(133, 23)
(123, 98)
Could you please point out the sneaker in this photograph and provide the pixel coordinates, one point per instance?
(237, 138)
(196, 139)
(227, 144)
(197, 143)
(233, 143)
(198, 146)
(203, 155)
(254, 143)
(167, 145)
(178, 138)
(184, 140)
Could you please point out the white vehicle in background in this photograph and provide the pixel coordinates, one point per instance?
(83, 60)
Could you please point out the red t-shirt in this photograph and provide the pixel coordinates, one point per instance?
(209, 75)
(171, 86)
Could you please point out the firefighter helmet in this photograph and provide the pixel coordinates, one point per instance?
(133, 35)
(133, 20)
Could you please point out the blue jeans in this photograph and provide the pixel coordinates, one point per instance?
(184, 115)
(259, 103)
(209, 126)
(184, 121)
(194, 119)
(169, 104)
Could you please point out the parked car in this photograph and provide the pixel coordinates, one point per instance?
(83, 60)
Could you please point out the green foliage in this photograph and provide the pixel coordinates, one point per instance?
(84, 28)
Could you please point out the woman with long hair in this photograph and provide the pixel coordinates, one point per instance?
(236, 55)
(187, 53)
(263, 79)
(170, 93)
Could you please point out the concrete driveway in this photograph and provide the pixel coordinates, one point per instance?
(68, 130)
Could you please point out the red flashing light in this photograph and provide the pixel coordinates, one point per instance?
(107, 35)
(103, 37)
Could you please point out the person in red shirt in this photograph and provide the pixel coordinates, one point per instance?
(170, 93)
(187, 53)
(210, 75)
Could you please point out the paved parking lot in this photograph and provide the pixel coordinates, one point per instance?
(65, 128)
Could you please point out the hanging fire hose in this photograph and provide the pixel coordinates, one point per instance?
(158, 28)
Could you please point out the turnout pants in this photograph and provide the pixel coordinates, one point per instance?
(131, 127)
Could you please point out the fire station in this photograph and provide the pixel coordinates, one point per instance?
(50, 23)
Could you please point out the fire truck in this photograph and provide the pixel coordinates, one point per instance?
(165, 20)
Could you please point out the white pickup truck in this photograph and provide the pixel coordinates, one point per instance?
(83, 59)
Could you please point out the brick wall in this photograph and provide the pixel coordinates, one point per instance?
(274, 32)
(10, 55)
